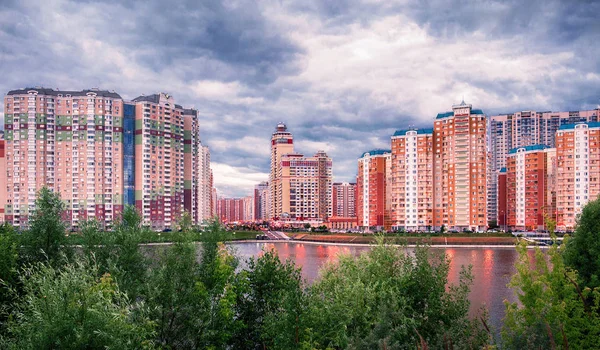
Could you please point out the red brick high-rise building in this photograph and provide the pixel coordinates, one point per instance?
(374, 190)
(460, 169)
(528, 187)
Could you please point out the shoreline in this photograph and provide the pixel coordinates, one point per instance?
(374, 244)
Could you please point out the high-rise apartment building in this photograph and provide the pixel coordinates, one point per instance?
(344, 199)
(69, 141)
(526, 128)
(159, 161)
(262, 201)
(3, 184)
(412, 179)
(374, 190)
(230, 210)
(529, 193)
(304, 187)
(205, 182)
(248, 213)
(193, 171)
(282, 143)
(577, 170)
(502, 205)
(460, 169)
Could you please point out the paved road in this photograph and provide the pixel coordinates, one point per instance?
(277, 235)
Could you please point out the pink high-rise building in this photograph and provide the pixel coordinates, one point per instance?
(344, 199)
(3, 184)
(159, 160)
(69, 141)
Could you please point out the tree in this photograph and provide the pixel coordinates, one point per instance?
(216, 289)
(71, 308)
(177, 305)
(269, 303)
(9, 266)
(582, 251)
(553, 312)
(390, 299)
(125, 260)
(46, 238)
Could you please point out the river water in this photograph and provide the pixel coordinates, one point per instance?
(492, 268)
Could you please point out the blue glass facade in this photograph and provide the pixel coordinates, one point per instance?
(128, 154)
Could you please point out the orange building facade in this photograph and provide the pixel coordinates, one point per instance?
(412, 179)
(374, 190)
(460, 169)
(529, 190)
(577, 172)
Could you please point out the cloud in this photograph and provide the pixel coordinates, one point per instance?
(343, 75)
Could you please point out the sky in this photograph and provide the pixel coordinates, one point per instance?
(343, 75)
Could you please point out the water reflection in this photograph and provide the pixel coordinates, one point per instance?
(492, 268)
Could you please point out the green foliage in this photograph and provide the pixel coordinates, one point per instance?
(118, 252)
(582, 252)
(9, 265)
(173, 297)
(553, 312)
(388, 298)
(45, 239)
(216, 288)
(269, 303)
(71, 308)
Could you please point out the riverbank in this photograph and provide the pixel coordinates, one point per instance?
(409, 240)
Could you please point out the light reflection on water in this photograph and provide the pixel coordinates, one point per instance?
(492, 268)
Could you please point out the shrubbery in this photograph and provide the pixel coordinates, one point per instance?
(111, 294)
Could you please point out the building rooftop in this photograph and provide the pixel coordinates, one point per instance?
(451, 114)
(376, 152)
(572, 126)
(190, 111)
(529, 148)
(52, 92)
(419, 131)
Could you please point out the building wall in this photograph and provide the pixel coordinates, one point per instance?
(230, 210)
(306, 186)
(460, 169)
(261, 201)
(343, 199)
(520, 129)
(129, 154)
(412, 179)
(69, 141)
(282, 142)
(577, 171)
(159, 160)
(3, 183)
(502, 197)
(528, 170)
(374, 190)
(193, 171)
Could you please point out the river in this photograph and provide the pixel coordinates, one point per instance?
(492, 268)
